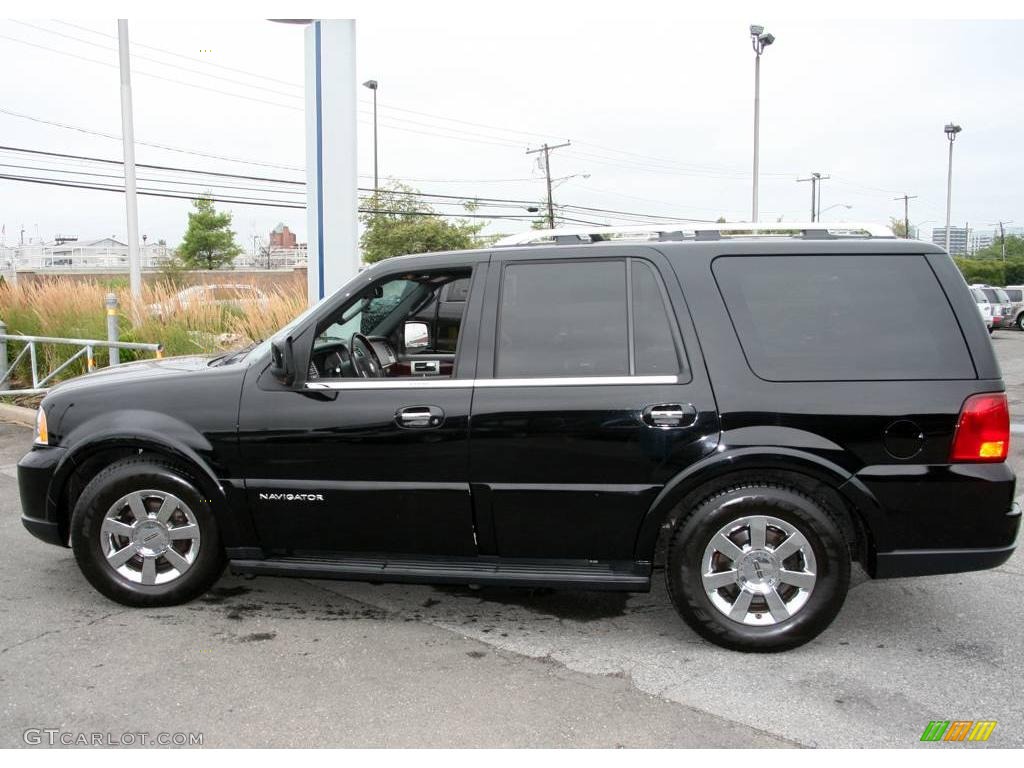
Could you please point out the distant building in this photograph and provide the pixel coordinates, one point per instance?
(980, 240)
(282, 237)
(957, 239)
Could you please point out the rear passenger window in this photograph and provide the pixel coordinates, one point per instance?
(842, 318)
(654, 346)
(563, 319)
(572, 318)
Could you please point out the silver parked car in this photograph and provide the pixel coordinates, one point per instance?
(1016, 294)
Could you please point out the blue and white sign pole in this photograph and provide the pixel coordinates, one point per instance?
(332, 197)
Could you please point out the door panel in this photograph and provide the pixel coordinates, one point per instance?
(334, 471)
(572, 470)
(567, 466)
(365, 465)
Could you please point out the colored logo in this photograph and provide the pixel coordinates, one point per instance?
(958, 730)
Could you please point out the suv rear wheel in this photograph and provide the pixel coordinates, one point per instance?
(143, 534)
(758, 567)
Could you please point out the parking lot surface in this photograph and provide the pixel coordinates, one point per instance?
(269, 662)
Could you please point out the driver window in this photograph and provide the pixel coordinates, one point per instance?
(400, 327)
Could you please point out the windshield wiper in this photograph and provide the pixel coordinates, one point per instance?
(230, 357)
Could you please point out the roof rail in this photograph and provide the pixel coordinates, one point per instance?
(674, 231)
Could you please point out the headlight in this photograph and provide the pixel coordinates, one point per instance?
(42, 436)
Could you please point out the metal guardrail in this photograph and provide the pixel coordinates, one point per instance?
(87, 348)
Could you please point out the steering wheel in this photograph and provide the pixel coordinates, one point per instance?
(364, 358)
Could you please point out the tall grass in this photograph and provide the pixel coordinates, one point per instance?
(73, 309)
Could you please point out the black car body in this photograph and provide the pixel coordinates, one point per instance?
(599, 397)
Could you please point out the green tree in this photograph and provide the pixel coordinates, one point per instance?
(209, 242)
(981, 270)
(397, 222)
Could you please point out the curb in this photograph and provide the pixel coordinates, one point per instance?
(19, 414)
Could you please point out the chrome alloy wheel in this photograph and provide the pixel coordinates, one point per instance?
(150, 537)
(758, 570)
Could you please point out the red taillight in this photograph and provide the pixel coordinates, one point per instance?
(983, 429)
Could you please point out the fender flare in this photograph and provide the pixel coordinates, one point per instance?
(729, 461)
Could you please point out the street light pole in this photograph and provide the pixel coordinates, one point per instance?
(372, 85)
(760, 40)
(951, 131)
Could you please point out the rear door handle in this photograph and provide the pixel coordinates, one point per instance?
(420, 417)
(670, 415)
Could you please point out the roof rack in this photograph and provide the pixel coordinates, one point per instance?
(675, 231)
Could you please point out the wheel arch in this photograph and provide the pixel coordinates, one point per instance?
(86, 458)
(824, 480)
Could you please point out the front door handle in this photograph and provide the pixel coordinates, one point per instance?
(670, 415)
(420, 417)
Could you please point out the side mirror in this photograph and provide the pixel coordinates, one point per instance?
(282, 360)
(417, 335)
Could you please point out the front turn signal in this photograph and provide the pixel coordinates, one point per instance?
(42, 435)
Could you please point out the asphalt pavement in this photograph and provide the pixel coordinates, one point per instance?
(276, 662)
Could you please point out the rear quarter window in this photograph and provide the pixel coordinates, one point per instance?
(842, 318)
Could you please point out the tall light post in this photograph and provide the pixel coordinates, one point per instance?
(372, 85)
(128, 148)
(952, 129)
(760, 40)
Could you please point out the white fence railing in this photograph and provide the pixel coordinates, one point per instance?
(86, 353)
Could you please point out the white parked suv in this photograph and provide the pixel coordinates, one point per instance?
(984, 308)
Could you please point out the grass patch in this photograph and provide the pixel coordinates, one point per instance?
(73, 309)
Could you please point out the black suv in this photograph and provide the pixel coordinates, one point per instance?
(756, 409)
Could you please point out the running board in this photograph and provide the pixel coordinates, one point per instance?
(622, 575)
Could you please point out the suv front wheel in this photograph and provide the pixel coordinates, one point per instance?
(758, 567)
(143, 534)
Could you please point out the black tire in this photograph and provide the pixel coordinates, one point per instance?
(103, 491)
(1020, 322)
(694, 530)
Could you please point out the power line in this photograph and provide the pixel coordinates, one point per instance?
(152, 167)
(433, 197)
(181, 55)
(151, 75)
(157, 61)
(246, 201)
(165, 147)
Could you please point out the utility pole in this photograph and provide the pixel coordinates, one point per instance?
(906, 213)
(815, 179)
(128, 140)
(1002, 237)
(547, 173)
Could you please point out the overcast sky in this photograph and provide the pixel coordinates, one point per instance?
(659, 111)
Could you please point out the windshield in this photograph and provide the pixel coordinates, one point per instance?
(990, 294)
(1003, 297)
